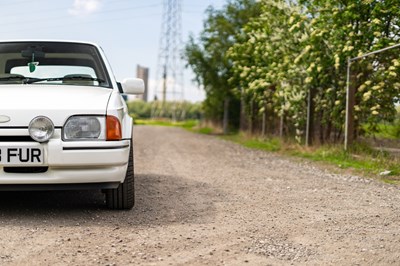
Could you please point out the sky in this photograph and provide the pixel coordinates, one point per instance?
(127, 30)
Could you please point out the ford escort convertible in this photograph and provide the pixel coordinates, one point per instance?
(63, 122)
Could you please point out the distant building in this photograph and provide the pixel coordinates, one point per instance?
(143, 73)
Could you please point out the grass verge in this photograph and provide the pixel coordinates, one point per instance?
(273, 144)
(191, 125)
(361, 159)
(188, 124)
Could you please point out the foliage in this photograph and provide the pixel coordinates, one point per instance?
(139, 109)
(293, 49)
(179, 110)
(207, 56)
(384, 130)
(191, 125)
(188, 124)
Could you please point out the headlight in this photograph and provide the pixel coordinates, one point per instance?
(41, 128)
(84, 128)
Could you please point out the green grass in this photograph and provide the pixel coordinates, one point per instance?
(204, 130)
(384, 130)
(361, 159)
(191, 125)
(273, 144)
(365, 162)
(188, 124)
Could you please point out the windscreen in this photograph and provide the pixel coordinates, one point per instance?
(54, 63)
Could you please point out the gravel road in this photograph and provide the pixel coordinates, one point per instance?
(204, 201)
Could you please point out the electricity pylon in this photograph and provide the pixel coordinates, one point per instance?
(169, 74)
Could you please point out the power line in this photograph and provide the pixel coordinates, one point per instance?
(87, 22)
(193, 12)
(63, 17)
(16, 2)
(38, 11)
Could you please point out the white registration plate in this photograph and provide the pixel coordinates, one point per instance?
(21, 155)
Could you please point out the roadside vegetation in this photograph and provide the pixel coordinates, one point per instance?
(360, 159)
(168, 110)
(385, 129)
(187, 124)
(274, 70)
(268, 65)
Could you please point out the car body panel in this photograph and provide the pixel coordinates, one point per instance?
(58, 102)
(67, 162)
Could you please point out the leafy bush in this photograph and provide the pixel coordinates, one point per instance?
(270, 55)
(139, 109)
(171, 110)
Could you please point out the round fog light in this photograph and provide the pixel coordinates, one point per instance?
(41, 129)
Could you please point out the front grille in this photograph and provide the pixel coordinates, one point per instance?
(15, 138)
(26, 170)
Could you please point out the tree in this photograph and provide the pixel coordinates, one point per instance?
(281, 56)
(300, 48)
(207, 56)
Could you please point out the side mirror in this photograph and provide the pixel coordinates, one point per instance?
(133, 86)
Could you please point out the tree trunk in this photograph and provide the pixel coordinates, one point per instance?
(251, 118)
(225, 122)
(264, 121)
(310, 118)
(282, 120)
(243, 122)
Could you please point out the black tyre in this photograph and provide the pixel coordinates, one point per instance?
(123, 197)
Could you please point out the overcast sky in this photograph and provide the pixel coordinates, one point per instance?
(128, 30)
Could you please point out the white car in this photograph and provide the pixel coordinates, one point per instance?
(63, 121)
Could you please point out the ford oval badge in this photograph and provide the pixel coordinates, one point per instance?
(4, 119)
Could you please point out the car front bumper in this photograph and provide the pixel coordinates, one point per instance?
(73, 162)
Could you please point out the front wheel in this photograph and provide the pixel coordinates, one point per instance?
(123, 197)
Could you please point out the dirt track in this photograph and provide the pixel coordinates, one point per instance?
(201, 200)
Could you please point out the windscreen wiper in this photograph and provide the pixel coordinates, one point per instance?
(13, 77)
(24, 80)
(75, 77)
